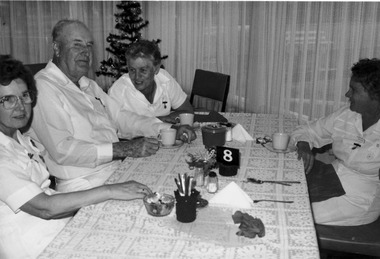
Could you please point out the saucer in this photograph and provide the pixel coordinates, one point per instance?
(201, 203)
(177, 144)
(269, 146)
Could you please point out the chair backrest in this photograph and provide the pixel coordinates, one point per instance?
(211, 85)
(363, 240)
(34, 68)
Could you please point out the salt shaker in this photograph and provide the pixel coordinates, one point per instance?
(212, 185)
(229, 132)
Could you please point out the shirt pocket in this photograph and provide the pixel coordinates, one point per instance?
(373, 152)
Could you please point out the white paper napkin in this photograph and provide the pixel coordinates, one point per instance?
(232, 196)
(240, 134)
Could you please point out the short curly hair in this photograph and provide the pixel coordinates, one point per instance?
(11, 69)
(367, 72)
(144, 49)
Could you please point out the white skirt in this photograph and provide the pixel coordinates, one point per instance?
(25, 236)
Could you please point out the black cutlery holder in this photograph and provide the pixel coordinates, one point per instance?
(186, 207)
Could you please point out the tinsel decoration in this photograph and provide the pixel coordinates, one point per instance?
(129, 24)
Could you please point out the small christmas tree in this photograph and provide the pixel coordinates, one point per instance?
(129, 23)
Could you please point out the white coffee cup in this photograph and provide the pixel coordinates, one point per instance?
(280, 140)
(186, 119)
(168, 136)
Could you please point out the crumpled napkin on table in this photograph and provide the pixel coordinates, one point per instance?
(232, 196)
(249, 226)
(240, 134)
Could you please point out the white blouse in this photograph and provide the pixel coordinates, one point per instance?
(357, 164)
(169, 95)
(23, 176)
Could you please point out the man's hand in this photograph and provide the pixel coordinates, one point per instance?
(171, 118)
(304, 152)
(139, 147)
(185, 133)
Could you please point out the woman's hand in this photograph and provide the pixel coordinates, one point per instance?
(304, 152)
(129, 190)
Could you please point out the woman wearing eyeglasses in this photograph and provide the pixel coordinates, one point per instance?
(31, 213)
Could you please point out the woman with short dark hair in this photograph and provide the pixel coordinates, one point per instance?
(347, 191)
(31, 213)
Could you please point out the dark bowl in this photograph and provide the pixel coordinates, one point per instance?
(214, 135)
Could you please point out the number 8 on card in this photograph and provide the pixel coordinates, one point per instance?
(228, 156)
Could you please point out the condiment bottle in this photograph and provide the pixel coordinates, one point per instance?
(199, 176)
(212, 185)
(229, 132)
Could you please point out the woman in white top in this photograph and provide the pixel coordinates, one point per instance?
(148, 89)
(347, 192)
(32, 214)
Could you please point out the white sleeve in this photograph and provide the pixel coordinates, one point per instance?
(54, 129)
(131, 124)
(317, 133)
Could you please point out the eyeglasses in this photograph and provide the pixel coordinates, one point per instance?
(10, 101)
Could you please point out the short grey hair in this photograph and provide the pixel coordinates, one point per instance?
(58, 27)
(144, 49)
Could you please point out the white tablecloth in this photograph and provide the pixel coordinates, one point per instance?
(123, 229)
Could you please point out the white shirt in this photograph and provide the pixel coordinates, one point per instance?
(168, 95)
(23, 176)
(77, 126)
(357, 168)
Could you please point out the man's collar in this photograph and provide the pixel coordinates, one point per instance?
(53, 71)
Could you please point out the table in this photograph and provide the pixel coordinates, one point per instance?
(123, 229)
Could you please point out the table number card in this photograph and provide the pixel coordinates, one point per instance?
(228, 156)
(228, 159)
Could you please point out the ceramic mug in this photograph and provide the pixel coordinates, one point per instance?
(186, 119)
(168, 136)
(280, 140)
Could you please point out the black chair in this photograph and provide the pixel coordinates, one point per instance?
(358, 240)
(211, 85)
(34, 68)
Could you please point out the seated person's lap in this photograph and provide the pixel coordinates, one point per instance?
(323, 182)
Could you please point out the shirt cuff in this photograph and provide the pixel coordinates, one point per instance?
(105, 152)
(22, 196)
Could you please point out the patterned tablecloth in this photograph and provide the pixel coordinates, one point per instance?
(123, 229)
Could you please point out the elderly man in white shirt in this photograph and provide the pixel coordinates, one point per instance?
(347, 192)
(148, 89)
(78, 123)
